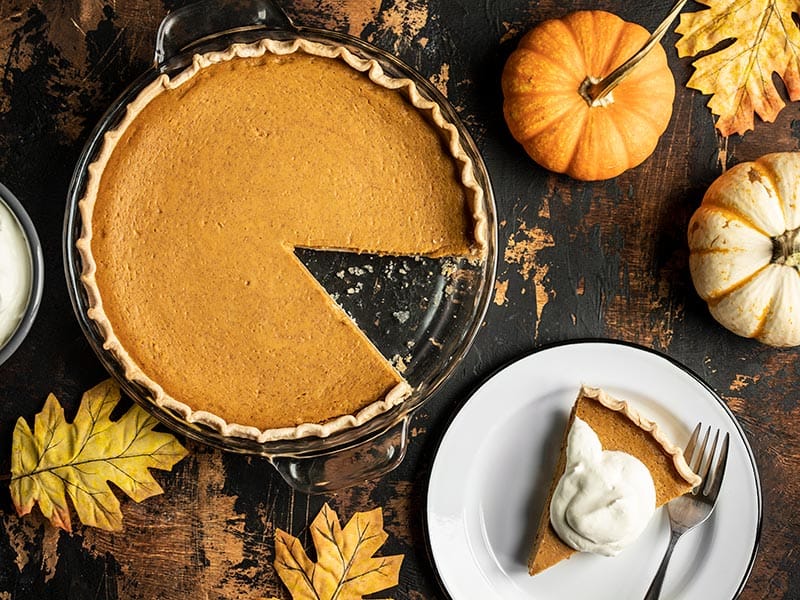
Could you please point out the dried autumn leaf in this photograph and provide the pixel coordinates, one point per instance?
(79, 459)
(739, 77)
(346, 568)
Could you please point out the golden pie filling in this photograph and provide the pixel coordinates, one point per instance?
(198, 199)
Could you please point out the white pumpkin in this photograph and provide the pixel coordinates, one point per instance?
(745, 249)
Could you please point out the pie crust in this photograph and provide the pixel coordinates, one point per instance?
(474, 249)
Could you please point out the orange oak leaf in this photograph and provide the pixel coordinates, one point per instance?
(346, 567)
(765, 39)
(58, 459)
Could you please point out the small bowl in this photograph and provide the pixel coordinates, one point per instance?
(37, 274)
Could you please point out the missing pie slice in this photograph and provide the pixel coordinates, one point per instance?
(619, 428)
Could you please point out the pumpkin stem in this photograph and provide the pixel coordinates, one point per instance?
(786, 249)
(597, 92)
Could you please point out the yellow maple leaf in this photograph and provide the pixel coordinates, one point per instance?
(346, 568)
(57, 459)
(739, 76)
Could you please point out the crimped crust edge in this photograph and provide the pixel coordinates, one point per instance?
(651, 427)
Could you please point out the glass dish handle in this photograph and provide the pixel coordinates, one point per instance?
(330, 471)
(207, 18)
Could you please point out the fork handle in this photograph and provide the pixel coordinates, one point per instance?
(654, 591)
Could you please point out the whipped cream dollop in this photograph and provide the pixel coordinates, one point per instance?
(15, 273)
(605, 498)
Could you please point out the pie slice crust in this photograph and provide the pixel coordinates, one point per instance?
(388, 387)
(619, 427)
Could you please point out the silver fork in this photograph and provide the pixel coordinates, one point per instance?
(691, 509)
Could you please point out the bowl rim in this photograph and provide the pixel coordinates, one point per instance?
(37, 273)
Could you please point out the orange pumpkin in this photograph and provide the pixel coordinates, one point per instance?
(549, 112)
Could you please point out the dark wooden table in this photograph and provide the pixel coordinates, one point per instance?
(577, 260)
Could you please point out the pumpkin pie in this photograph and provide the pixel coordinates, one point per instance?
(620, 428)
(198, 199)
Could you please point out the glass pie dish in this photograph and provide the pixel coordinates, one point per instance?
(421, 313)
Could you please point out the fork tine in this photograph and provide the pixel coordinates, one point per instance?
(708, 458)
(687, 453)
(697, 459)
(711, 489)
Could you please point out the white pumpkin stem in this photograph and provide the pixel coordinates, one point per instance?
(597, 92)
(786, 249)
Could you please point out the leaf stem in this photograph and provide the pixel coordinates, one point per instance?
(101, 459)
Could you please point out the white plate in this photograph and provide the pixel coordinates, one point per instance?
(493, 468)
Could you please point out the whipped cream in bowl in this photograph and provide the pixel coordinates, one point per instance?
(604, 499)
(21, 273)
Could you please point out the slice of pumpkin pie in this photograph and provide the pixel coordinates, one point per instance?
(615, 469)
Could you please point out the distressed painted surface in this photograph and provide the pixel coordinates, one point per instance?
(604, 259)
